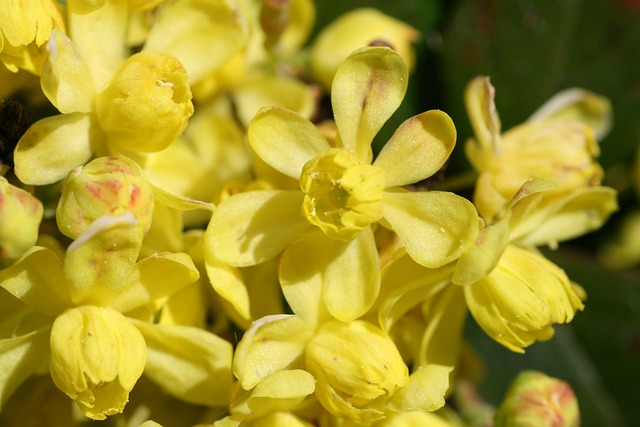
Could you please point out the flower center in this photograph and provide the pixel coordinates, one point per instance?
(342, 195)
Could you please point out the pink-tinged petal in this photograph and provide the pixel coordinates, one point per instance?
(37, 280)
(435, 227)
(347, 274)
(155, 277)
(253, 227)
(285, 140)
(53, 146)
(20, 357)
(98, 263)
(418, 149)
(188, 28)
(367, 88)
(66, 80)
(189, 363)
(282, 337)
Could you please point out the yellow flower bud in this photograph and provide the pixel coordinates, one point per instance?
(536, 400)
(148, 103)
(105, 186)
(520, 300)
(357, 360)
(97, 355)
(20, 216)
(342, 195)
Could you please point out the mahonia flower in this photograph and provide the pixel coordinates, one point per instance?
(558, 143)
(20, 216)
(25, 27)
(537, 400)
(354, 30)
(342, 192)
(112, 104)
(359, 373)
(515, 293)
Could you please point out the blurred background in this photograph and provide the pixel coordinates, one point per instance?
(532, 49)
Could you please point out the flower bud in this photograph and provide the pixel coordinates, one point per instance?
(105, 186)
(357, 362)
(20, 216)
(147, 105)
(536, 400)
(97, 355)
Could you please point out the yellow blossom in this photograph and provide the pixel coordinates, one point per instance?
(343, 192)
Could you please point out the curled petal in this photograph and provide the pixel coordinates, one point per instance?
(435, 227)
(479, 101)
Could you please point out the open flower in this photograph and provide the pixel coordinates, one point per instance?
(558, 143)
(325, 226)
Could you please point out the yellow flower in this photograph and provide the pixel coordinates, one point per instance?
(98, 381)
(354, 30)
(92, 285)
(558, 143)
(344, 192)
(25, 26)
(113, 105)
(20, 216)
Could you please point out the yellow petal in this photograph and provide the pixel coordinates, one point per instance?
(20, 357)
(353, 30)
(65, 78)
(158, 276)
(405, 284)
(53, 146)
(281, 391)
(481, 109)
(250, 228)
(98, 263)
(435, 227)
(483, 256)
(425, 390)
(37, 280)
(418, 148)
(188, 28)
(285, 140)
(191, 364)
(282, 337)
(368, 87)
(580, 105)
(228, 283)
(347, 272)
(277, 91)
(88, 31)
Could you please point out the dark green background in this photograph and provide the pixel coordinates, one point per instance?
(532, 49)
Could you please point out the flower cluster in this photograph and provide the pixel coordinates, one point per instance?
(189, 229)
